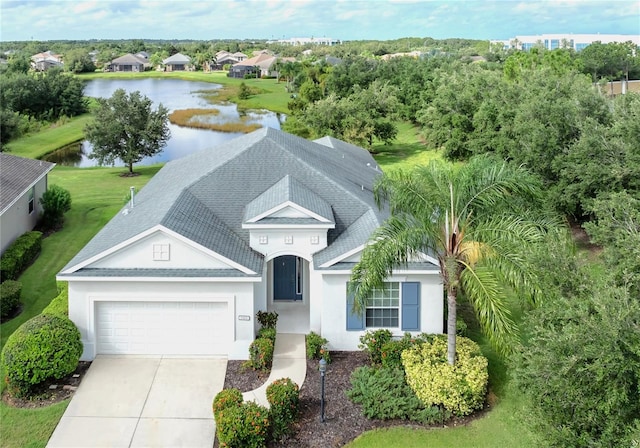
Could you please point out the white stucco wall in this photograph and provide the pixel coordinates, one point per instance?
(301, 242)
(334, 309)
(17, 220)
(141, 255)
(83, 296)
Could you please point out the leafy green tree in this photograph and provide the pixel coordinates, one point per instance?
(55, 202)
(477, 220)
(617, 227)
(579, 370)
(244, 92)
(78, 61)
(609, 61)
(126, 128)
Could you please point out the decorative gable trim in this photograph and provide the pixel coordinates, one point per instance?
(148, 232)
(343, 256)
(288, 204)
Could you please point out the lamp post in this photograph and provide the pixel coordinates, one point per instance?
(323, 369)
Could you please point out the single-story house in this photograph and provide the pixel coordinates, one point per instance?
(128, 63)
(223, 58)
(44, 61)
(177, 62)
(264, 222)
(264, 64)
(22, 183)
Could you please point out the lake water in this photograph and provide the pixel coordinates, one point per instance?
(173, 94)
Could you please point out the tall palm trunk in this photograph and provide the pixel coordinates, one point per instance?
(451, 327)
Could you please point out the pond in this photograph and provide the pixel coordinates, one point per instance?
(173, 94)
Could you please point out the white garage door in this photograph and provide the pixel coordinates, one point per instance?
(163, 328)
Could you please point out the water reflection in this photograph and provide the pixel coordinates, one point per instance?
(173, 94)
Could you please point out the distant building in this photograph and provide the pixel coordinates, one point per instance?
(296, 41)
(575, 41)
(44, 61)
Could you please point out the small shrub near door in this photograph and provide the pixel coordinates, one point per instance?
(317, 347)
(261, 354)
(267, 333)
(372, 342)
(45, 347)
(267, 319)
(284, 397)
(460, 388)
(9, 297)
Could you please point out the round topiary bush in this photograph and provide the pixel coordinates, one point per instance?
(45, 347)
(226, 398)
(283, 396)
(459, 388)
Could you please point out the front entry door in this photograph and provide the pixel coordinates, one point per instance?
(287, 278)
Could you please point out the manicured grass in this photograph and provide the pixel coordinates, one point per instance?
(406, 151)
(29, 428)
(35, 146)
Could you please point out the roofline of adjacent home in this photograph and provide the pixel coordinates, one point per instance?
(154, 229)
(71, 277)
(26, 189)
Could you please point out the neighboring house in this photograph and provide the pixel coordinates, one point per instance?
(128, 63)
(226, 58)
(265, 222)
(22, 183)
(264, 64)
(177, 62)
(44, 61)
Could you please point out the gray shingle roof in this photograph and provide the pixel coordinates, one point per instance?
(161, 273)
(288, 189)
(178, 58)
(203, 196)
(17, 175)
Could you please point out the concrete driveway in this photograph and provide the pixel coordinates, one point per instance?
(143, 402)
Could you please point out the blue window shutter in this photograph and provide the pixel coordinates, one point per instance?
(355, 322)
(411, 306)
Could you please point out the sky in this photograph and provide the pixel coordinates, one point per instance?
(43, 20)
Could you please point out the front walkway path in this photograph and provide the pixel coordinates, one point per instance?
(289, 361)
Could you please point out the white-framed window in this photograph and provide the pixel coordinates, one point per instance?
(383, 307)
(161, 252)
(32, 199)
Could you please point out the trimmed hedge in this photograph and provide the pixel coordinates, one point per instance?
(283, 396)
(261, 354)
(391, 352)
(267, 333)
(459, 388)
(9, 297)
(226, 398)
(317, 347)
(60, 304)
(20, 255)
(45, 347)
(243, 426)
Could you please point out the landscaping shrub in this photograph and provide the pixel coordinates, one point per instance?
(55, 202)
(9, 297)
(60, 304)
(317, 347)
(20, 255)
(226, 398)
(261, 354)
(45, 347)
(284, 397)
(391, 351)
(268, 333)
(372, 342)
(243, 426)
(460, 388)
(383, 393)
(267, 319)
(461, 327)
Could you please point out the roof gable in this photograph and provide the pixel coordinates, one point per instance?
(19, 174)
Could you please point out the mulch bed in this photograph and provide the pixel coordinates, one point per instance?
(46, 395)
(343, 419)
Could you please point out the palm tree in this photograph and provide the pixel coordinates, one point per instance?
(477, 220)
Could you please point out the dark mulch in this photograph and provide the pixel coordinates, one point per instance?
(343, 419)
(46, 395)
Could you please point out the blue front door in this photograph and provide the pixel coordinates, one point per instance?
(287, 278)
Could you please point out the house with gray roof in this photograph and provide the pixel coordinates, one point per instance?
(22, 183)
(177, 62)
(129, 63)
(264, 222)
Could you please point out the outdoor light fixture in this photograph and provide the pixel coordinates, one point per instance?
(323, 369)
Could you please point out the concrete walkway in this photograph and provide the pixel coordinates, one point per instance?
(289, 361)
(143, 402)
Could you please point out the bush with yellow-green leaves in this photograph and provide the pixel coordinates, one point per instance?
(459, 388)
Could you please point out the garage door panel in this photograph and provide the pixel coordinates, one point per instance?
(163, 328)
